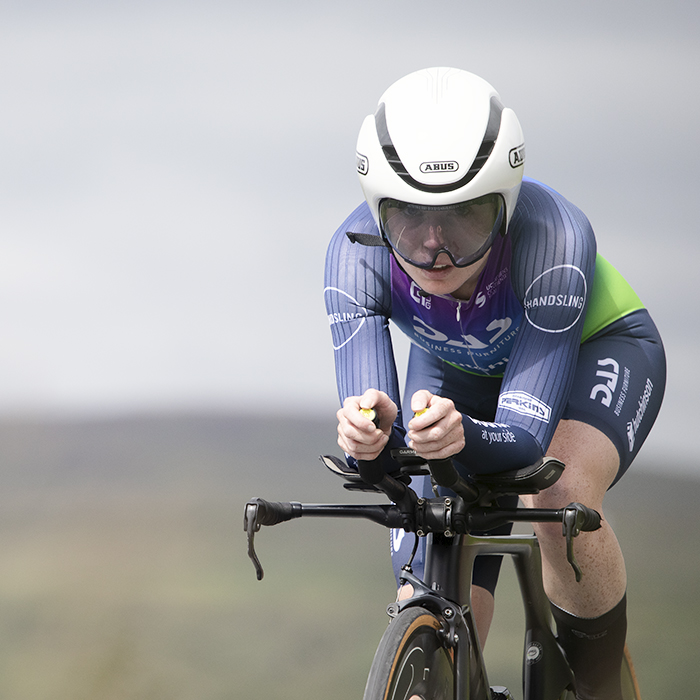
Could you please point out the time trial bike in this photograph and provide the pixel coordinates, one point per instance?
(430, 649)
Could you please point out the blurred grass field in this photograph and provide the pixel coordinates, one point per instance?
(125, 574)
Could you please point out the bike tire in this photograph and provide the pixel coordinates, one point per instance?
(630, 687)
(410, 661)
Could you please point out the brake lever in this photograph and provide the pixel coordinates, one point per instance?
(251, 526)
(571, 526)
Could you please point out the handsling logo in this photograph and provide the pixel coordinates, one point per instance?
(346, 317)
(556, 312)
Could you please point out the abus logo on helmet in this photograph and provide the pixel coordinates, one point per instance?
(516, 156)
(441, 166)
(362, 164)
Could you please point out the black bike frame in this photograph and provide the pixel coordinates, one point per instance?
(449, 563)
(448, 572)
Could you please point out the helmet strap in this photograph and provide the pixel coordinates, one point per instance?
(368, 239)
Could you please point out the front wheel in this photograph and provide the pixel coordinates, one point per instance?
(410, 662)
(630, 688)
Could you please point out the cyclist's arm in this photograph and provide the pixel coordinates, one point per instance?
(358, 302)
(552, 271)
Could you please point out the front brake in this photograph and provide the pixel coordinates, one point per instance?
(251, 526)
(577, 517)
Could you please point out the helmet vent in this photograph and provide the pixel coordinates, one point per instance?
(491, 134)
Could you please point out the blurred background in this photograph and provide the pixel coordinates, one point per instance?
(170, 174)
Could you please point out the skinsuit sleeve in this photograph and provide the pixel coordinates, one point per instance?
(358, 302)
(553, 263)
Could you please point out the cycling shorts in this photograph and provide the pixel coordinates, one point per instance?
(618, 384)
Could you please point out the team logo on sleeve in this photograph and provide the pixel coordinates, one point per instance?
(525, 404)
(345, 316)
(555, 301)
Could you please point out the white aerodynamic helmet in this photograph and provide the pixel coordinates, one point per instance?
(440, 137)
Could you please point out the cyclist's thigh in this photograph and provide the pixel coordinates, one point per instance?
(619, 384)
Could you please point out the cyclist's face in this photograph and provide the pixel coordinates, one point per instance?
(464, 231)
(443, 248)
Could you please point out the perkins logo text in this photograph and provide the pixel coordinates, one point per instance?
(525, 404)
(443, 166)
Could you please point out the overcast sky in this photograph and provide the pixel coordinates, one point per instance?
(170, 174)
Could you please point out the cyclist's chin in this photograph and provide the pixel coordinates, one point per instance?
(441, 279)
(445, 278)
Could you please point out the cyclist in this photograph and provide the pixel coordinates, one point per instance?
(525, 341)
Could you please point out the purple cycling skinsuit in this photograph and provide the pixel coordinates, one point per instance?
(552, 331)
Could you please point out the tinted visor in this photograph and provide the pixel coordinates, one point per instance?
(464, 231)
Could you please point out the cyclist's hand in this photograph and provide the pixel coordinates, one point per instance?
(436, 432)
(357, 434)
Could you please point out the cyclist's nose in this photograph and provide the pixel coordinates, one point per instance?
(434, 240)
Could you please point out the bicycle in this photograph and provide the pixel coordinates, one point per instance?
(430, 649)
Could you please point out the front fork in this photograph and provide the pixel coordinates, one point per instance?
(458, 627)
